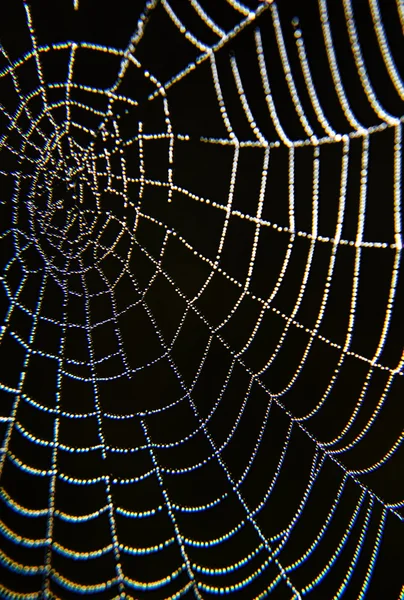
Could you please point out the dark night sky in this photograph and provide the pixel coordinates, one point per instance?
(140, 322)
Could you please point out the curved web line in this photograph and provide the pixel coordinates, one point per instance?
(86, 158)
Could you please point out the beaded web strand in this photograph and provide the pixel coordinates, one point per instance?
(201, 299)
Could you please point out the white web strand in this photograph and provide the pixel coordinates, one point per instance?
(76, 250)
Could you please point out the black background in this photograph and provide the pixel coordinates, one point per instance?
(205, 169)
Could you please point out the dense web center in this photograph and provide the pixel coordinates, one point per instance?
(201, 296)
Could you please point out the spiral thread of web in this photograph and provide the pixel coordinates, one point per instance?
(154, 400)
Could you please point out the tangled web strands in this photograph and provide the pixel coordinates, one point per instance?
(201, 294)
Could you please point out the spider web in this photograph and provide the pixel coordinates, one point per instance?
(201, 345)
